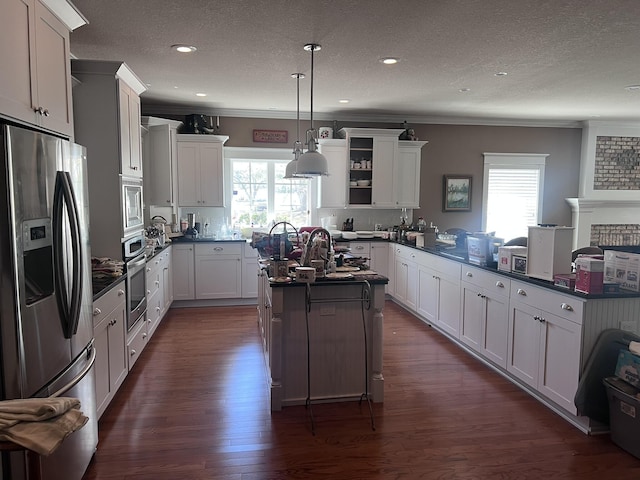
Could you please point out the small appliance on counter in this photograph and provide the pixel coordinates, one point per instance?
(191, 232)
(482, 249)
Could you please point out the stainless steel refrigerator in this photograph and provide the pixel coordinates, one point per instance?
(46, 325)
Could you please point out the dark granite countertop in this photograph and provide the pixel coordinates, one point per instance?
(104, 284)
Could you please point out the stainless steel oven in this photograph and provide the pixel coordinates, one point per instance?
(136, 290)
(132, 209)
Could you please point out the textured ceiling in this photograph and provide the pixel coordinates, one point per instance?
(566, 60)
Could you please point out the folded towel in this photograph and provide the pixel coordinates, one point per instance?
(40, 424)
(634, 347)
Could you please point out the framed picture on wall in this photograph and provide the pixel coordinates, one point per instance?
(456, 193)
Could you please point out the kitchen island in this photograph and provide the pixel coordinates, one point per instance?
(334, 311)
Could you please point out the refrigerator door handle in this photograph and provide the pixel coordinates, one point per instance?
(63, 196)
(80, 376)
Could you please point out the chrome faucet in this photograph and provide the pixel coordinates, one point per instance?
(306, 261)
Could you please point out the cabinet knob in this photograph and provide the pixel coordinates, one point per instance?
(567, 307)
(469, 274)
(542, 319)
(499, 284)
(478, 294)
(218, 249)
(133, 352)
(157, 282)
(144, 335)
(120, 292)
(522, 292)
(96, 311)
(134, 168)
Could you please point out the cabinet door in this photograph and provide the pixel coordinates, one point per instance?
(412, 285)
(188, 174)
(472, 316)
(384, 152)
(167, 285)
(559, 360)
(332, 190)
(101, 344)
(129, 109)
(53, 72)
(407, 181)
(158, 174)
(401, 278)
(210, 177)
(524, 343)
(495, 329)
(17, 57)
(250, 273)
(380, 259)
(428, 292)
(218, 277)
(449, 305)
(183, 272)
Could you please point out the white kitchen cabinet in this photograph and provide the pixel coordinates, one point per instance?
(439, 292)
(407, 174)
(34, 53)
(218, 270)
(200, 170)
(544, 349)
(485, 313)
(160, 162)
(183, 256)
(158, 277)
(136, 341)
(250, 271)
(130, 132)
(379, 259)
(110, 323)
(332, 190)
(167, 279)
(406, 276)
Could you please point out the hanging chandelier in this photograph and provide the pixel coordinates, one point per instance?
(291, 169)
(312, 162)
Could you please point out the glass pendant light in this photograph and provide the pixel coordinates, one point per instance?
(312, 162)
(290, 171)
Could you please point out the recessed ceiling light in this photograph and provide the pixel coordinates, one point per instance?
(389, 60)
(184, 48)
(344, 100)
(201, 94)
(632, 88)
(176, 86)
(464, 90)
(501, 74)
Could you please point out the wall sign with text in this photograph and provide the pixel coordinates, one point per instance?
(271, 136)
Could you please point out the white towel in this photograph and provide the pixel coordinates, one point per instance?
(40, 424)
(634, 347)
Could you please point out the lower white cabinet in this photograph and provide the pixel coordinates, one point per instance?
(379, 259)
(218, 270)
(136, 341)
(406, 276)
(183, 271)
(250, 271)
(159, 285)
(544, 348)
(439, 292)
(110, 325)
(485, 313)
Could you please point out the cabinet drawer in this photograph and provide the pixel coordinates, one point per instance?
(490, 282)
(564, 306)
(108, 302)
(362, 249)
(136, 344)
(218, 248)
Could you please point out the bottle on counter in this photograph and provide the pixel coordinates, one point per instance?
(422, 225)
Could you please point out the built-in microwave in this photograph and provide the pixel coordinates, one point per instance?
(132, 210)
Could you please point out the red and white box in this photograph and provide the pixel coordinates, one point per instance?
(505, 254)
(589, 275)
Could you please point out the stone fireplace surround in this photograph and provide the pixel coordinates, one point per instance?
(607, 211)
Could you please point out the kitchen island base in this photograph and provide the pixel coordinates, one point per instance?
(337, 348)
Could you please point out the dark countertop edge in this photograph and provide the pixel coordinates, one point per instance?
(382, 280)
(208, 240)
(109, 286)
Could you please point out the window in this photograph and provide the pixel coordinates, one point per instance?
(512, 194)
(261, 194)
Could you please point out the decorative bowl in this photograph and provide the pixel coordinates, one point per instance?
(363, 183)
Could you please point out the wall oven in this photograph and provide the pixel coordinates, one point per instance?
(132, 210)
(136, 290)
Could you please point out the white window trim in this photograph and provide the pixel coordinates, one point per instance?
(513, 161)
(252, 153)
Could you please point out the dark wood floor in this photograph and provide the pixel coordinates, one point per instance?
(196, 407)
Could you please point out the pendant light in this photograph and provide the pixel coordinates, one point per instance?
(312, 162)
(290, 171)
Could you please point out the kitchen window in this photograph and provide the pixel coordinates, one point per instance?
(261, 194)
(512, 193)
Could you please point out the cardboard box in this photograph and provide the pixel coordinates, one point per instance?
(505, 254)
(622, 268)
(589, 275)
(628, 367)
(565, 280)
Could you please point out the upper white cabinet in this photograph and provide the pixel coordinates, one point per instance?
(200, 171)
(407, 174)
(385, 175)
(107, 114)
(160, 164)
(332, 190)
(34, 53)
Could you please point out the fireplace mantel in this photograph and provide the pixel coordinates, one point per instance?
(586, 212)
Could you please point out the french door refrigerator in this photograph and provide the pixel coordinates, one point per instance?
(46, 325)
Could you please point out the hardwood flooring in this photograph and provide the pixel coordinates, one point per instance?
(196, 407)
